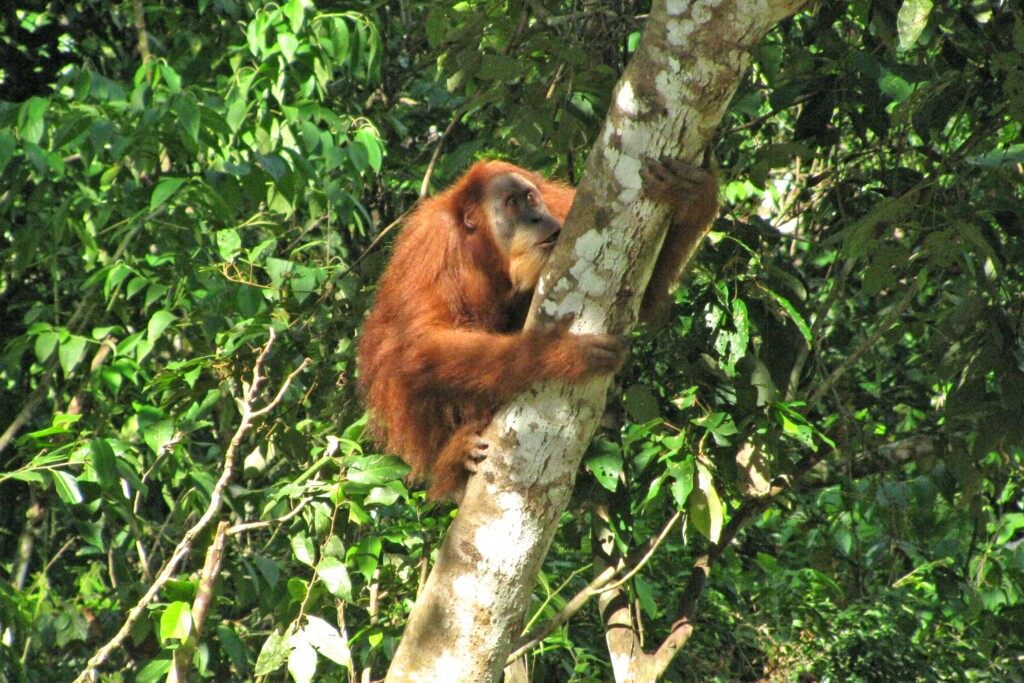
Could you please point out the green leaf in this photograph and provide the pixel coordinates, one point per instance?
(911, 21)
(606, 463)
(375, 470)
(645, 593)
(496, 67)
(171, 78)
(279, 270)
(327, 641)
(236, 649)
(104, 462)
(70, 352)
(288, 44)
(187, 109)
(163, 191)
(237, 109)
(367, 137)
(157, 434)
(340, 40)
(305, 281)
(302, 549)
(158, 323)
(1003, 157)
(334, 574)
(860, 238)
(67, 487)
(798, 319)
(155, 671)
(706, 507)
(294, 10)
(437, 26)
(682, 480)
(367, 555)
(176, 622)
(31, 119)
(254, 35)
(739, 340)
(8, 145)
(640, 403)
(46, 342)
(273, 654)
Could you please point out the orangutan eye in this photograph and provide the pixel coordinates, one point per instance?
(512, 201)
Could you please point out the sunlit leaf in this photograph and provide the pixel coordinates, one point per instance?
(158, 323)
(176, 622)
(70, 352)
(335, 576)
(911, 21)
(67, 487)
(163, 191)
(302, 659)
(273, 654)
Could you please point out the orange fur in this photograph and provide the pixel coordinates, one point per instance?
(444, 344)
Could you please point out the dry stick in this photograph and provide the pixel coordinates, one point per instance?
(250, 526)
(683, 627)
(216, 502)
(425, 185)
(598, 585)
(201, 605)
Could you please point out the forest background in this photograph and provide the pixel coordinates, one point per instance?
(173, 198)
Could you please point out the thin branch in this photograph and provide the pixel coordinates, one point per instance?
(526, 643)
(425, 185)
(598, 585)
(375, 243)
(251, 526)
(648, 555)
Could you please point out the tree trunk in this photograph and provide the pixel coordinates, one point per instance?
(668, 102)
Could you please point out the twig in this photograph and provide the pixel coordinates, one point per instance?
(425, 185)
(598, 585)
(376, 241)
(647, 556)
(250, 526)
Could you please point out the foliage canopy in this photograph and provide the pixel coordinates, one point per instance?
(165, 203)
